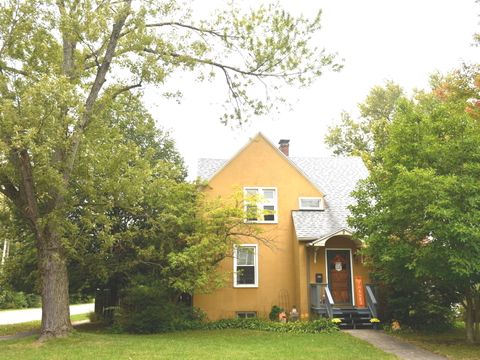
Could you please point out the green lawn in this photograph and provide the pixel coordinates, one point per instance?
(31, 325)
(211, 345)
(449, 343)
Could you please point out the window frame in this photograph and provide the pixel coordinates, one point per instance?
(320, 208)
(246, 313)
(255, 284)
(260, 190)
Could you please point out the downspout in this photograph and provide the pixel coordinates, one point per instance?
(307, 254)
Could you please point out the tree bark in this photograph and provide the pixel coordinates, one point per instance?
(476, 334)
(469, 321)
(54, 278)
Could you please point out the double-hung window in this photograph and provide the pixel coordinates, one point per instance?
(245, 266)
(261, 204)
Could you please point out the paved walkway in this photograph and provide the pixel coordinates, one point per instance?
(394, 346)
(25, 315)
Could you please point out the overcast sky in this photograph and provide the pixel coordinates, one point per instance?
(400, 40)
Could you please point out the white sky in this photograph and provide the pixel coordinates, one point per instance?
(400, 40)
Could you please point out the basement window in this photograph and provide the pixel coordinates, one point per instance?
(246, 314)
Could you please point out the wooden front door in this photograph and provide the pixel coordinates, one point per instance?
(339, 280)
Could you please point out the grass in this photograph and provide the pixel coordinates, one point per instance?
(450, 343)
(88, 343)
(13, 329)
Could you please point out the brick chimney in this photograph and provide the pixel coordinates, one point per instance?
(284, 146)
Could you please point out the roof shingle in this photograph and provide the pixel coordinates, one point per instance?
(336, 176)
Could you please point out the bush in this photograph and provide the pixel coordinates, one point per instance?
(276, 310)
(33, 300)
(12, 299)
(297, 327)
(149, 309)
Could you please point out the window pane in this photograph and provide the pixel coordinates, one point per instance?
(252, 192)
(310, 203)
(252, 213)
(246, 256)
(269, 195)
(269, 213)
(246, 275)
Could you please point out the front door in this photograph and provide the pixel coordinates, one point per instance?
(339, 280)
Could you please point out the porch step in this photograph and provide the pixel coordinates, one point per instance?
(353, 318)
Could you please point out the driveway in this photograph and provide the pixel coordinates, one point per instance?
(25, 315)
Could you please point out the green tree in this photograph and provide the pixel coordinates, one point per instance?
(419, 210)
(64, 65)
(361, 137)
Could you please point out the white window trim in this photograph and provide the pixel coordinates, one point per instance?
(322, 207)
(235, 285)
(275, 205)
(246, 312)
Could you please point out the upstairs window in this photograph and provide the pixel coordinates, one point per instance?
(310, 203)
(261, 204)
(245, 266)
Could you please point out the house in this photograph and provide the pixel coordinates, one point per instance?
(314, 264)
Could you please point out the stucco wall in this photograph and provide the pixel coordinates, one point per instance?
(282, 266)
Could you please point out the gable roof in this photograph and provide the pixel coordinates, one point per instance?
(209, 168)
(335, 176)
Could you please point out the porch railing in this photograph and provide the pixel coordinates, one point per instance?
(329, 302)
(321, 298)
(371, 300)
(317, 295)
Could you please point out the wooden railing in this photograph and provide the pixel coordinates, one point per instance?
(321, 298)
(317, 295)
(329, 302)
(371, 300)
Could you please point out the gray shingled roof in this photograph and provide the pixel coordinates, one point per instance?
(336, 176)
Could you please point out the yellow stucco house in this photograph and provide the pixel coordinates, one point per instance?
(314, 264)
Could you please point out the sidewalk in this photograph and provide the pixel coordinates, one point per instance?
(26, 315)
(394, 346)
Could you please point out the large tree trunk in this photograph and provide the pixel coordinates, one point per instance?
(54, 278)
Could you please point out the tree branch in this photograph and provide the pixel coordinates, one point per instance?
(192, 27)
(252, 72)
(125, 89)
(13, 70)
(96, 87)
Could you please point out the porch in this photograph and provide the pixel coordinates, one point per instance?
(322, 304)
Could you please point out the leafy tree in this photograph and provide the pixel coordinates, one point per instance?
(361, 137)
(65, 64)
(419, 210)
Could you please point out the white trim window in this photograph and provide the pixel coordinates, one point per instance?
(246, 314)
(310, 203)
(261, 204)
(245, 266)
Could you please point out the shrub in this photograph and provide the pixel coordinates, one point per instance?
(149, 309)
(276, 310)
(12, 299)
(33, 300)
(297, 327)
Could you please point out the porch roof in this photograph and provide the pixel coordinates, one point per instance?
(318, 227)
(313, 225)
